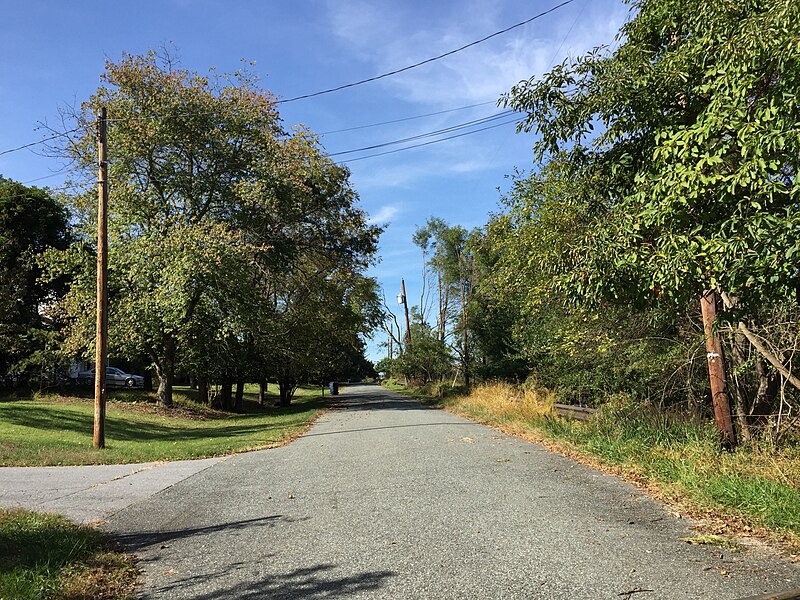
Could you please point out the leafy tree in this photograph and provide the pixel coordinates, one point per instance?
(31, 221)
(453, 260)
(692, 176)
(682, 149)
(428, 239)
(312, 333)
(209, 200)
(428, 359)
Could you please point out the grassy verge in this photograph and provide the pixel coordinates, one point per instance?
(755, 489)
(46, 556)
(56, 429)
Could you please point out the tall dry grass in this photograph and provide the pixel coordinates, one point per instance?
(505, 402)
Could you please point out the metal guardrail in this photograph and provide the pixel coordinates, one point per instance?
(581, 413)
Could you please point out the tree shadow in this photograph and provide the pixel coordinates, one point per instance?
(362, 402)
(308, 583)
(236, 580)
(363, 429)
(122, 429)
(134, 542)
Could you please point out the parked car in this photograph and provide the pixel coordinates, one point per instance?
(114, 377)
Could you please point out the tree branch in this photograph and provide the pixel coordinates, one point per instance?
(761, 348)
(769, 356)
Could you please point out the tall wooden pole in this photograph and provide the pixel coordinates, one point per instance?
(716, 371)
(405, 307)
(102, 291)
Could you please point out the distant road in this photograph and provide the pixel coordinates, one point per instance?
(386, 498)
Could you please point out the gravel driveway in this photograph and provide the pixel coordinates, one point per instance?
(386, 498)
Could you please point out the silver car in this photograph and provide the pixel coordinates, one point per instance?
(114, 378)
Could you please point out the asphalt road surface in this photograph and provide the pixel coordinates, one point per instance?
(385, 498)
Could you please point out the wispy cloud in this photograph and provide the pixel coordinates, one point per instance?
(379, 33)
(384, 215)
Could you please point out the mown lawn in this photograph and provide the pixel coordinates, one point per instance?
(57, 429)
(45, 556)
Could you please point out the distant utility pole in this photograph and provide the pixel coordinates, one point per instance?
(102, 291)
(716, 371)
(405, 307)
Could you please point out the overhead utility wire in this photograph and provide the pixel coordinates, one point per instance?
(49, 190)
(433, 114)
(480, 121)
(56, 174)
(58, 135)
(356, 83)
(444, 139)
(426, 61)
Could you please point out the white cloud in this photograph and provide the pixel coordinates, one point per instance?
(384, 215)
(390, 35)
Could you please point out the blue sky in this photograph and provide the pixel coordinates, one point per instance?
(53, 54)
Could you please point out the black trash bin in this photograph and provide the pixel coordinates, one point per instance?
(334, 388)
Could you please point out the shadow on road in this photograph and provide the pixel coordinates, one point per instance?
(307, 583)
(443, 424)
(136, 541)
(362, 401)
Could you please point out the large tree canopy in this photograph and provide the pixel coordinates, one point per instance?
(685, 144)
(210, 199)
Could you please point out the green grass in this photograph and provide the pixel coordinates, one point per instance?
(757, 483)
(57, 430)
(47, 556)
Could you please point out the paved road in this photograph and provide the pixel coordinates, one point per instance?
(385, 498)
(91, 494)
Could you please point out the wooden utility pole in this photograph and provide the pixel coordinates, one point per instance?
(405, 307)
(101, 348)
(716, 371)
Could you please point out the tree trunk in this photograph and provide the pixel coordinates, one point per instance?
(262, 392)
(740, 391)
(239, 404)
(165, 369)
(202, 390)
(286, 389)
(464, 337)
(442, 305)
(226, 391)
(767, 394)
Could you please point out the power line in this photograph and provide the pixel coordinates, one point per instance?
(46, 189)
(59, 172)
(429, 134)
(353, 84)
(444, 139)
(433, 114)
(58, 135)
(426, 61)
